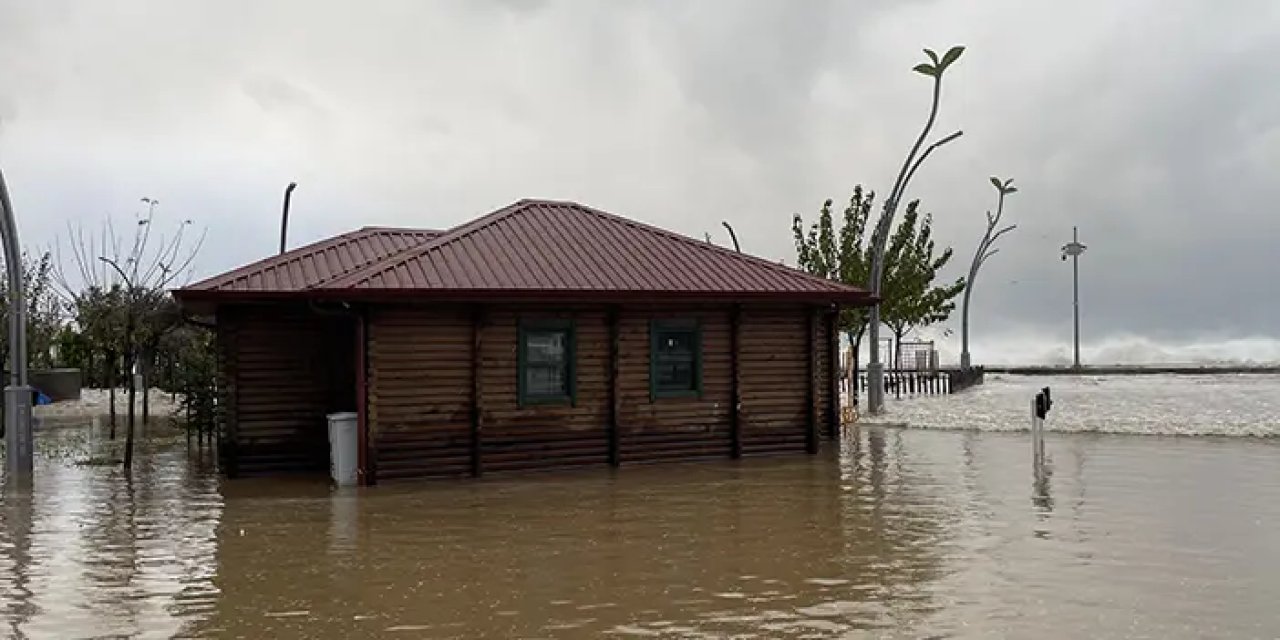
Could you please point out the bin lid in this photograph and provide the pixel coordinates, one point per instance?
(343, 415)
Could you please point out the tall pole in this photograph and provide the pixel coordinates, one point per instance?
(17, 396)
(284, 214)
(984, 251)
(1074, 249)
(880, 237)
(1075, 293)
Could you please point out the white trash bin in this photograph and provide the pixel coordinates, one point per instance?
(342, 448)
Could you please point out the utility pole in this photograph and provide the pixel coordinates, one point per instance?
(17, 396)
(1074, 249)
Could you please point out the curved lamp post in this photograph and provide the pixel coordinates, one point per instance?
(1074, 249)
(17, 396)
(875, 368)
(984, 251)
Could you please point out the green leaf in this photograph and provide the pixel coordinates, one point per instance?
(1011, 190)
(926, 69)
(952, 55)
(932, 56)
(996, 181)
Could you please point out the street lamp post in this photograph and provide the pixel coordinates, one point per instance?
(985, 251)
(880, 237)
(17, 396)
(1074, 249)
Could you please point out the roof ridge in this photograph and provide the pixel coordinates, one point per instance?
(376, 228)
(281, 258)
(707, 246)
(400, 257)
(462, 231)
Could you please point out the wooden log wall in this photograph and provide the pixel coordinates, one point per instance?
(282, 371)
(776, 375)
(443, 393)
(660, 429)
(544, 436)
(420, 389)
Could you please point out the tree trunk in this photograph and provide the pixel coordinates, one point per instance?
(855, 342)
(144, 368)
(110, 381)
(897, 350)
(128, 437)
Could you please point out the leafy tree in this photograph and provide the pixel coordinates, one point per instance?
(190, 370)
(44, 311)
(910, 268)
(841, 256)
(158, 315)
(912, 300)
(94, 343)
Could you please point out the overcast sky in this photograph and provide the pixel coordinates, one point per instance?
(1153, 125)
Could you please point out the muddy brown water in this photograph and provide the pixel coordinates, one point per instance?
(895, 533)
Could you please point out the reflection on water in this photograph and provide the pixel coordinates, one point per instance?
(91, 552)
(898, 534)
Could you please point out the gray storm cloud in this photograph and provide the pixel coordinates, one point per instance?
(1154, 126)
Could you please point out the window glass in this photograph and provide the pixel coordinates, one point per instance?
(675, 352)
(546, 367)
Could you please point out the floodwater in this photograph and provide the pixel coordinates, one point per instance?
(1202, 405)
(894, 533)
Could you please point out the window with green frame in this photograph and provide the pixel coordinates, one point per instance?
(675, 359)
(546, 370)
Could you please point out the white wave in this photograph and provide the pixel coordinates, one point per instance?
(1036, 348)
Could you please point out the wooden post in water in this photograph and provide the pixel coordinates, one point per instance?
(477, 337)
(833, 373)
(364, 475)
(811, 366)
(614, 387)
(735, 382)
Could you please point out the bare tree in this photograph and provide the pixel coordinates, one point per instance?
(118, 288)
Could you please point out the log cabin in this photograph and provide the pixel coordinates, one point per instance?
(543, 335)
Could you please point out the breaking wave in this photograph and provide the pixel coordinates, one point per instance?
(1035, 348)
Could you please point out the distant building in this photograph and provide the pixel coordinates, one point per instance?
(544, 334)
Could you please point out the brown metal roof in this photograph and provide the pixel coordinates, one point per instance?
(563, 249)
(316, 264)
(530, 250)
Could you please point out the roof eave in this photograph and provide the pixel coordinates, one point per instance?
(843, 298)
